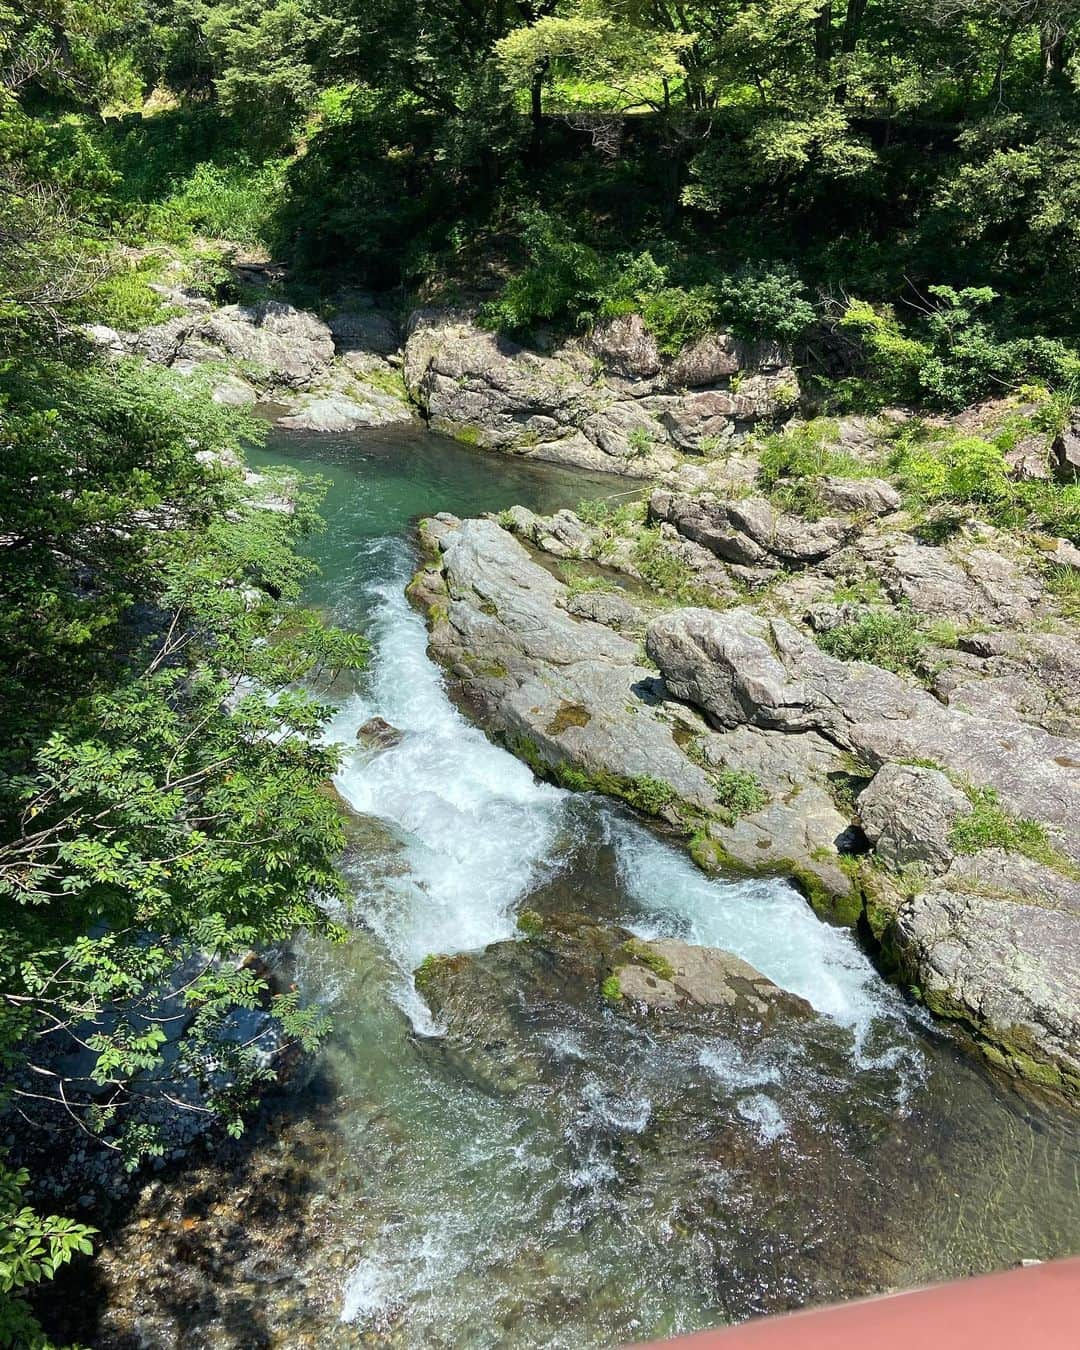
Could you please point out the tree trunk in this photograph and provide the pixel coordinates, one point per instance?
(823, 40)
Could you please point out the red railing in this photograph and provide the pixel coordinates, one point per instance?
(1035, 1307)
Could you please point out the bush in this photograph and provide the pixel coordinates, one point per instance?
(234, 201)
(890, 638)
(738, 792)
(806, 451)
(963, 471)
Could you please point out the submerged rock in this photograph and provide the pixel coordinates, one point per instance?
(378, 734)
(329, 411)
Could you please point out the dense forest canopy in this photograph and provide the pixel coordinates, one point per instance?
(891, 187)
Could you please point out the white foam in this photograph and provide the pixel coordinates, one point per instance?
(480, 830)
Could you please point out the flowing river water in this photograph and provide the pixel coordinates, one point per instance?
(632, 1188)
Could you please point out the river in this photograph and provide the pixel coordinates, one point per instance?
(577, 1209)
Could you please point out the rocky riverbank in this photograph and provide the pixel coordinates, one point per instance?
(806, 677)
(795, 652)
(610, 402)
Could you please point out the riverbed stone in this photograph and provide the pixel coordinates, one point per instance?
(907, 813)
(1008, 969)
(331, 411)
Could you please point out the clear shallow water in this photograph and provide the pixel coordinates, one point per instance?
(625, 1188)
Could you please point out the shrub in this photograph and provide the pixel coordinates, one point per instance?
(890, 638)
(963, 471)
(738, 792)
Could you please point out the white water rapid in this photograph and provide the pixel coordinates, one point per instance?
(479, 832)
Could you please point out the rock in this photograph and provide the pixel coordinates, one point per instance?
(716, 357)
(1009, 970)
(486, 389)
(1064, 553)
(337, 412)
(290, 346)
(748, 531)
(606, 607)
(1065, 451)
(365, 331)
(625, 347)
(570, 696)
(553, 684)
(161, 342)
(973, 586)
(234, 392)
(1029, 459)
(664, 974)
(104, 337)
(1001, 875)
(287, 347)
(378, 734)
(907, 813)
(866, 496)
(743, 669)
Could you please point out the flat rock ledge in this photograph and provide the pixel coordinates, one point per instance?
(736, 729)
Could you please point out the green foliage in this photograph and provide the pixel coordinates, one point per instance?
(1063, 583)
(964, 470)
(570, 284)
(234, 201)
(530, 923)
(989, 825)
(664, 571)
(581, 583)
(651, 795)
(32, 1249)
(610, 989)
(807, 451)
(738, 792)
(891, 638)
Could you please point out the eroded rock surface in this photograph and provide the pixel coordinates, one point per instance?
(610, 403)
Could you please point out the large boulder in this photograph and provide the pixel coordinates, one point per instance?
(907, 814)
(741, 668)
(280, 346)
(1008, 969)
(604, 404)
(749, 530)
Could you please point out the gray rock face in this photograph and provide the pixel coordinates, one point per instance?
(481, 387)
(743, 669)
(338, 412)
(749, 531)
(546, 672)
(234, 392)
(979, 586)
(1065, 452)
(1008, 969)
(288, 347)
(625, 347)
(867, 496)
(907, 813)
